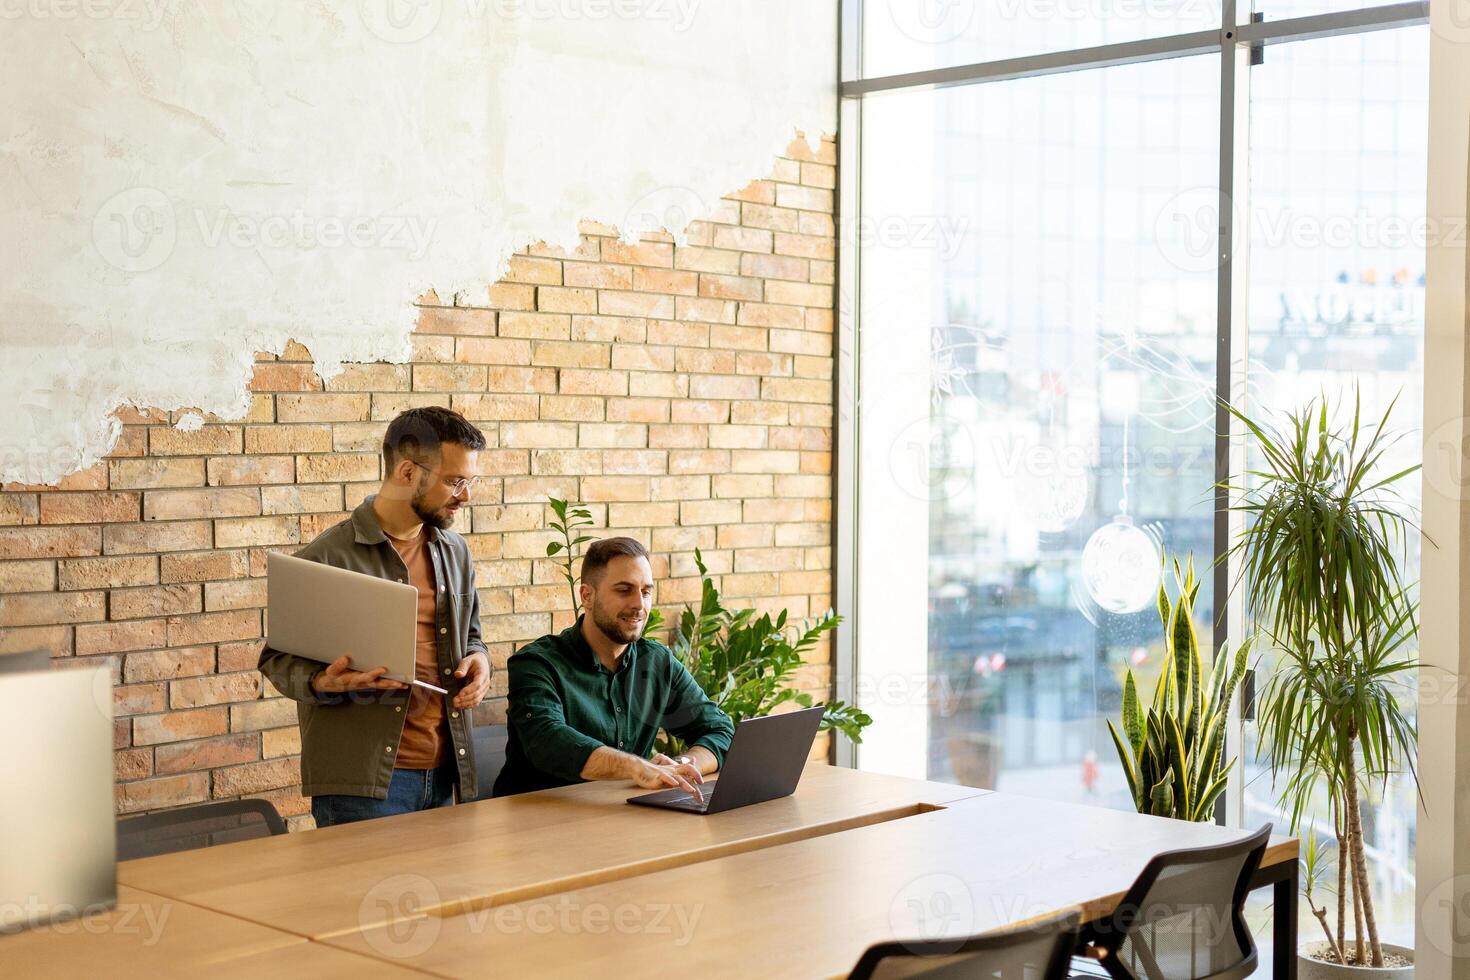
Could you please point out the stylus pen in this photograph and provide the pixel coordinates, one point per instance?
(430, 686)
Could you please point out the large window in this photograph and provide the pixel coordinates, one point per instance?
(1043, 298)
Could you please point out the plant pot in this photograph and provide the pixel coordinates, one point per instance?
(1308, 968)
(974, 758)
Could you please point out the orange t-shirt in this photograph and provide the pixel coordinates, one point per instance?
(425, 730)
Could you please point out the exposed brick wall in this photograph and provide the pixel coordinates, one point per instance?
(684, 393)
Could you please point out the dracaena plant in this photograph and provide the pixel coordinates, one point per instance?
(1173, 752)
(1320, 570)
(745, 662)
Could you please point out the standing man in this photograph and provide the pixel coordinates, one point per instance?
(371, 747)
(588, 702)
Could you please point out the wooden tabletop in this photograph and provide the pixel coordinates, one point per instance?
(809, 908)
(147, 936)
(495, 852)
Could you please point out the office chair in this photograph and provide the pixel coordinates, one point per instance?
(1036, 952)
(190, 827)
(489, 755)
(1183, 919)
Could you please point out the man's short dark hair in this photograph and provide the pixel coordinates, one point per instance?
(418, 433)
(601, 553)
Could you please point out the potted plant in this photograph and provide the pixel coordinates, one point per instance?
(744, 662)
(1320, 570)
(1172, 754)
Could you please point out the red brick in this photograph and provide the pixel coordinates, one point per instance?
(245, 470)
(140, 634)
(204, 566)
(162, 791)
(242, 624)
(164, 505)
(107, 573)
(210, 440)
(179, 725)
(163, 665)
(47, 608)
(138, 699)
(56, 640)
(256, 777)
(132, 539)
(160, 600)
(50, 542)
(224, 750)
(27, 576)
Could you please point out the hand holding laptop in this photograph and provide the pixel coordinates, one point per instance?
(339, 677)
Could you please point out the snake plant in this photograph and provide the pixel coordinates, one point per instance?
(1172, 753)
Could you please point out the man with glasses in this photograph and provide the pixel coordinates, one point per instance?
(370, 746)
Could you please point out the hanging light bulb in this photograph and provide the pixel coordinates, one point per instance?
(1120, 566)
(1121, 561)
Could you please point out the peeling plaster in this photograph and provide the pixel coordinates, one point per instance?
(184, 183)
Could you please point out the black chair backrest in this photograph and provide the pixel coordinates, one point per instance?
(190, 827)
(489, 755)
(1040, 951)
(1183, 919)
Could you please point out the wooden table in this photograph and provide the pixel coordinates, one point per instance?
(573, 882)
(356, 876)
(146, 936)
(809, 908)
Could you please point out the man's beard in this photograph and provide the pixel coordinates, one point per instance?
(612, 627)
(439, 519)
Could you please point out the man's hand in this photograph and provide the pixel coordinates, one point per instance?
(475, 667)
(339, 678)
(665, 775)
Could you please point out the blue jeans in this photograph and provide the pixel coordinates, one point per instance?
(408, 790)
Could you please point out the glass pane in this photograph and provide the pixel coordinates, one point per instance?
(901, 36)
(1338, 143)
(1282, 9)
(1036, 377)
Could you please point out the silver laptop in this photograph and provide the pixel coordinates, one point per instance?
(321, 612)
(58, 853)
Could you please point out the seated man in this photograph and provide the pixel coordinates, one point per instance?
(587, 703)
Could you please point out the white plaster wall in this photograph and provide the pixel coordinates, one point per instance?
(186, 182)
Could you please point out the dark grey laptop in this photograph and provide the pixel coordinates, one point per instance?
(764, 763)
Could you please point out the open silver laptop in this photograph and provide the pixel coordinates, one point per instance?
(58, 852)
(321, 612)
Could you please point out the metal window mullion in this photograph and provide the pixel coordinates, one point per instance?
(1232, 361)
(1357, 21)
(845, 379)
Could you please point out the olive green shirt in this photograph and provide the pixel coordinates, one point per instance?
(349, 741)
(564, 705)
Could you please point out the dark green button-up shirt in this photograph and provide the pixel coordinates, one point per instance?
(564, 705)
